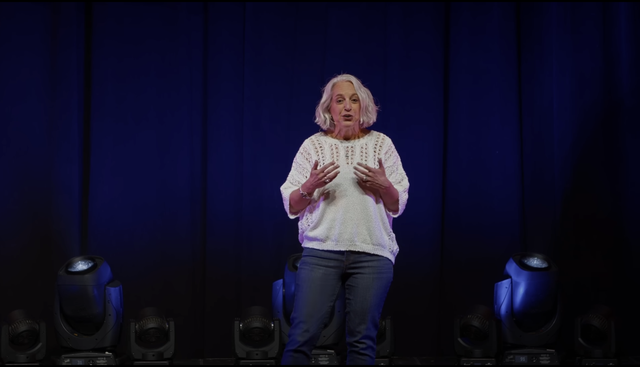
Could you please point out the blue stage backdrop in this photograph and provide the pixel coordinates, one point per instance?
(157, 135)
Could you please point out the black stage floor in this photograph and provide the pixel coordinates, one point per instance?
(396, 361)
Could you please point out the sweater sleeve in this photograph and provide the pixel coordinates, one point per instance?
(300, 170)
(397, 176)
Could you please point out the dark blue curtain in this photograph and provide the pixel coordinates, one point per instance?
(157, 135)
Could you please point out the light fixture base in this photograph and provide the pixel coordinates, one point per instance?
(597, 361)
(257, 362)
(477, 362)
(87, 359)
(324, 357)
(530, 357)
(382, 362)
(153, 363)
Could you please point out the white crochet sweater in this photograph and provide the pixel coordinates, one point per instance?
(341, 216)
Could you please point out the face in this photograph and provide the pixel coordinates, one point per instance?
(345, 105)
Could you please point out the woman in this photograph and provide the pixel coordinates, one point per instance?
(346, 185)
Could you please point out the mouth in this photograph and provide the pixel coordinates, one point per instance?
(347, 117)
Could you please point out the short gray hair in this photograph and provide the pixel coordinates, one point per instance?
(368, 108)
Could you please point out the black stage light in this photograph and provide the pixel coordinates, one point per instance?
(528, 306)
(384, 342)
(476, 336)
(87, 311)
(595, 337)
(282, 300)
(151, 338)
(256, 337)
(23, 339)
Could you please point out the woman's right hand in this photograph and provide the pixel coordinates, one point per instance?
(320, 177)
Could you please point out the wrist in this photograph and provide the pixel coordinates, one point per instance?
(305, 193)
(389, 189)
(306, 187)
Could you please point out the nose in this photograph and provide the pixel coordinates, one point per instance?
(347, 105)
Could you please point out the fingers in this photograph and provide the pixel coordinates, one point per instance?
(364, 176)
(331, 176)
(324, 168)
(373, 178)
(360, 176)
(365, 166)
(360, 170)
(364, 173)
(380, 165)
(325, 174)
(331, 169)
(327, 169)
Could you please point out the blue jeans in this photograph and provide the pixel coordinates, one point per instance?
(320, 275)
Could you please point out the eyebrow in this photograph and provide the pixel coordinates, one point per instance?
(340, 95)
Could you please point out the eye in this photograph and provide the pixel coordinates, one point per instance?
(339, 100)
(355, 100)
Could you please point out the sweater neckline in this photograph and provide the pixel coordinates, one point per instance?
(324, 134)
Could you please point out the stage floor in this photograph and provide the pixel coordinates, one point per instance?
(397, 361)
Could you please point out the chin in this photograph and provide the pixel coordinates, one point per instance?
(349, 123)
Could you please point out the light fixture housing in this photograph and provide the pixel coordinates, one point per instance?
(257, 336)
(385, 341)
(151, 337)
(88, 305)
(23, 339)
(476, 333)
(527, 303)
(595, 336)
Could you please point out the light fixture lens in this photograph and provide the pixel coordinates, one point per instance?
(23, 331)
(535, 262)
(80, 265)
(152, 327)
(256, 324)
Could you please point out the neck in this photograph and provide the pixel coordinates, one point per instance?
(350, 133)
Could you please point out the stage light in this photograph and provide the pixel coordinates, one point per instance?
(257, 337)
(282, 300)
(23, 339)
(595, 337)
(81, 265)
(475, 336)
(528, 306)
(87, 311)
(385, 344)
(151, 338)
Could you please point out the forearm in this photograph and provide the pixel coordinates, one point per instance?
(390, 197)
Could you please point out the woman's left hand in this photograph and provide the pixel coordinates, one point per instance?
(372, 178)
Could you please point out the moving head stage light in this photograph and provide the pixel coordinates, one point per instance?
(528, 306)
(595, 338)
(151, 338)
(385, 342)
(23, 339)
(257, 337)
(475, 336)
(87, 311)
